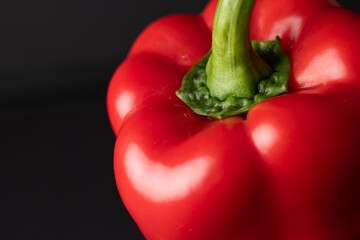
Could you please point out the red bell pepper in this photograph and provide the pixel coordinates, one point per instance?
(288, 169)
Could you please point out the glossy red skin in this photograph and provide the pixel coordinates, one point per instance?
(289, 171)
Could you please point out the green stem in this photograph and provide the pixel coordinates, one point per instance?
(237, 73)
(234, 68)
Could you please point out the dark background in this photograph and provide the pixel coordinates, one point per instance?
(56, 59)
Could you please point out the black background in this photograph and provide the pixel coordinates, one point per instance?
(56, 59)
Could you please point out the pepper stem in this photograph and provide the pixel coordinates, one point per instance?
(234, 68)
(237, 73)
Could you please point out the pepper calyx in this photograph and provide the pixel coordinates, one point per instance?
(196, 94)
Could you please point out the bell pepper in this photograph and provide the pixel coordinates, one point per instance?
(263, 143)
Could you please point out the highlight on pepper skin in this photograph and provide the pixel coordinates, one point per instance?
(264, 137)
(161, 183)
(125, 103)
(324, 68)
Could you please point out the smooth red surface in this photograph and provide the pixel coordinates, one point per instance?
(289, 171)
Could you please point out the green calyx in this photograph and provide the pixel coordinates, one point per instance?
(237, 73)
(196, 94)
